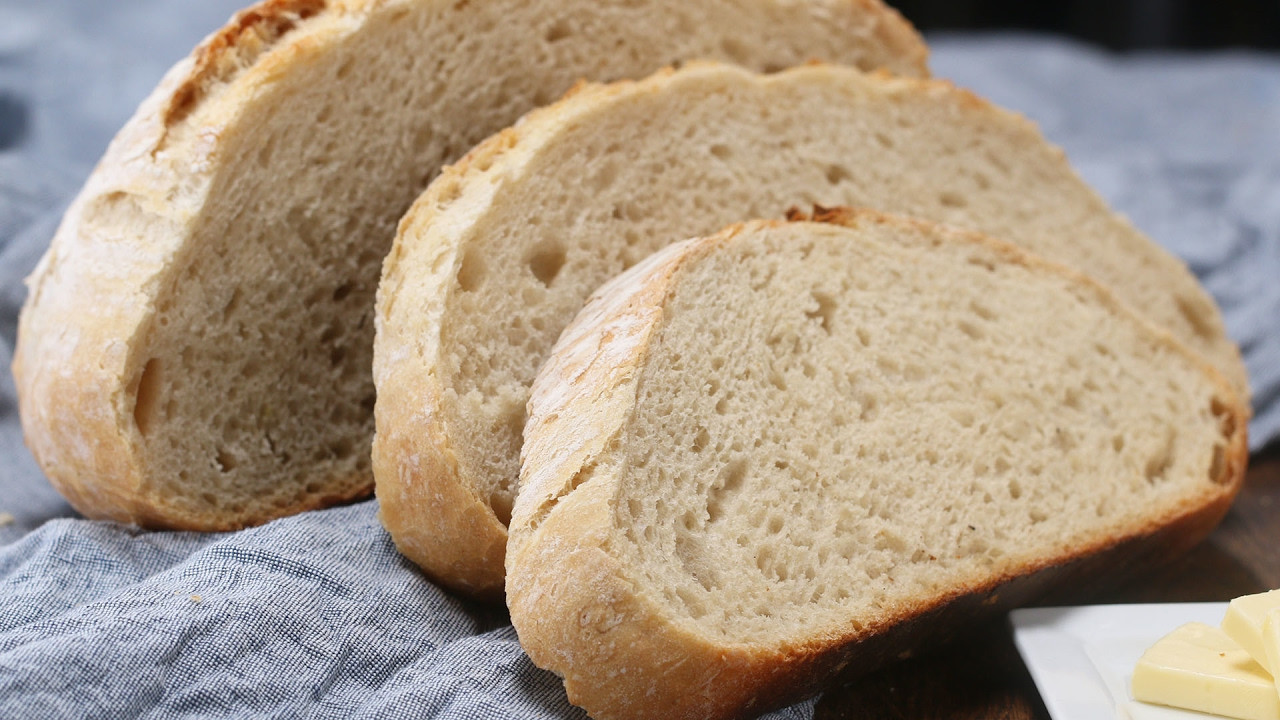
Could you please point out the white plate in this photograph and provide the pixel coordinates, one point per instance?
(1082, 658)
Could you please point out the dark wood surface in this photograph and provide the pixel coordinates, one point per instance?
(982, 675)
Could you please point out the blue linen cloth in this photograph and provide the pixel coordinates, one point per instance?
(317, 615)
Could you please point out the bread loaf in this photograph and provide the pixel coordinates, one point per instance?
(758, 458)
(196, 348)
(500, 252)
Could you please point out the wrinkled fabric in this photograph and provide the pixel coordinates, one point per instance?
(317, 615)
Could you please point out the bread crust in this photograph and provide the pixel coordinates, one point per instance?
(621, 655)
(82, 353)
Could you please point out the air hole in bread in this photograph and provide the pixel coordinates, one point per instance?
(546, 262)
(736, 50)
(1226, 419)
(725, 489)
(341, 292)
(341, 448)
(471, 272)
(232, 304)
(722, 405)
(606, 173)
(557, 31)
(722, 152)
(869, 406)
(344, 68)
(701, 440)
(1160, 462)
(970, 329)
(982, 310)
(837, 174)
(266, 150)
(776, 524)
(1071, 399)
(1218, 464)
(226, 460)
(147, 395)
(824, 310)
(331, 333)
(952, 200)
(777, 380)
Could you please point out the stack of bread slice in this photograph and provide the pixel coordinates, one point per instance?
(498, 255)
(756, 459)
(753, 459)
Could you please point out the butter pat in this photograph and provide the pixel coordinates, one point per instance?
(1243, 623)
(1197, 667)
(1271, 641)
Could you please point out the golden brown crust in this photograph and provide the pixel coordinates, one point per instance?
(435, 519)
(622, 656)
(443, 527)
(235, 47)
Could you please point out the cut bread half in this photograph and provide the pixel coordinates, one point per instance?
(196, 348)
(500, 252)
(759, 458)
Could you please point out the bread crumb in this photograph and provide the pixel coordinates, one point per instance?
(6, 519)
(196, 598)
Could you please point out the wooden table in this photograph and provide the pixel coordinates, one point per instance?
(983, 678)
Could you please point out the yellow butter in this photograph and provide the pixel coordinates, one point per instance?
(1197, 667)
(1271, 641)
(1243, 623)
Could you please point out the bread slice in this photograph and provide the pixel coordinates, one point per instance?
(761, 457)
(500, 252)
(196, 348)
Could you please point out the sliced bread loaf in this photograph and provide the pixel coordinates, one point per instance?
(196, 348)
(500, 252)
(758, 458)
